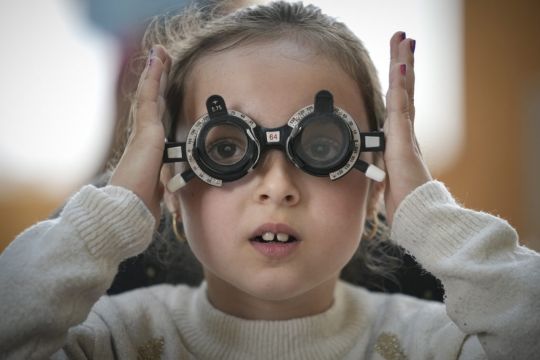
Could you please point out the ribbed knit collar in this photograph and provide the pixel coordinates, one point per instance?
(212, 334)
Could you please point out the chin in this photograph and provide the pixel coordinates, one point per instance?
(280, 286)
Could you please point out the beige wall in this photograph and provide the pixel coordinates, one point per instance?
(502, 64)
(21, 206)
(502, 78)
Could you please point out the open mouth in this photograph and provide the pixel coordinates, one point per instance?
(270, 237)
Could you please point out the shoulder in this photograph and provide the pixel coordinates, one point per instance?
(417, 327)
(400, 304)
(137, 320)
(398, 311)
(151, 307)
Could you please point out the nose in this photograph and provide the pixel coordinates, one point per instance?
(277, 184)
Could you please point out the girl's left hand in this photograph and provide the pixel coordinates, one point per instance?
(405, 166)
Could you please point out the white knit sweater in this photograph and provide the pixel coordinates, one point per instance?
(54, 275)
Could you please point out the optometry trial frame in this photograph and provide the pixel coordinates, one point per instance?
(320, 139)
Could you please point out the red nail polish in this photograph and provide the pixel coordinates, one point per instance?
(403, 69)
(413, 45)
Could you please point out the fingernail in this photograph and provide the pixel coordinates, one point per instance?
(413, 45)
(403, 69)
(149, 57)
(402, 36)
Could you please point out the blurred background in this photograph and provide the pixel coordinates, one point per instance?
(477, 96)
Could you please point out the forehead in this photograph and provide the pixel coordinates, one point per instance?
(269, 82)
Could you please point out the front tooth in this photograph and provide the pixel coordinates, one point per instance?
(268, 236)
(282, 237)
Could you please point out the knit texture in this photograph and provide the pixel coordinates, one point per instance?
(91, 212)
(190, 327)
(491, 282)
(54, 275)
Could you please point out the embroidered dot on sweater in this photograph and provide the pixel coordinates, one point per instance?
(388, 347)
(151, 350)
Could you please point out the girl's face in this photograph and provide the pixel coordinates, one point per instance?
(269, 82)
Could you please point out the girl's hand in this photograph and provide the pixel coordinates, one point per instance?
(138, 169)
(403, 160)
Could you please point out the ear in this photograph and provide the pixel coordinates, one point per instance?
(376, 190)
(170, 199)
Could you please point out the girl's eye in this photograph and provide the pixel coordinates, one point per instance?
(226, 151)
(322, 150)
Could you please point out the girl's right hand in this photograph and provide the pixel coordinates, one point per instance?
(139, 168)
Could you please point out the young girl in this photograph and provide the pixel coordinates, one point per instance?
(261, 213)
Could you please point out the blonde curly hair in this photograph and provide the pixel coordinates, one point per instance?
(225, 24)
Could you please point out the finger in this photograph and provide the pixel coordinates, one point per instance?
(395, 40)
(399, 123)
(149, 99)
(397, 102)
(405, 55)
(165, 58)
(159, 52)
(146, 98)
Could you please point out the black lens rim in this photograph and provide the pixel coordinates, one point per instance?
(296, 135)
(225, 172)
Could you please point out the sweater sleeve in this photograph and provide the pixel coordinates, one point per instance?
(492, 284)
(52, 274)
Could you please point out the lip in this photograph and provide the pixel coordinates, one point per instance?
(275, 250)
(275, 228)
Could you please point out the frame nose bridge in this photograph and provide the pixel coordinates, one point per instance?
(273, 138)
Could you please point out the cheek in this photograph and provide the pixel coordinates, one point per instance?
(208, 216)
(340, 209)
(343, 201)
(337, 231)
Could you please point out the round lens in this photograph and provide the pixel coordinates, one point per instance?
(323, 142)
(226, 144)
